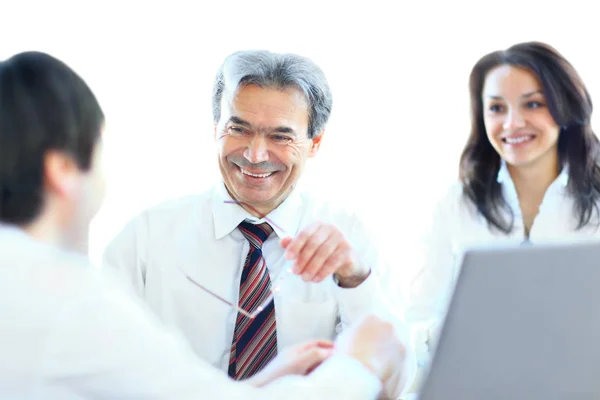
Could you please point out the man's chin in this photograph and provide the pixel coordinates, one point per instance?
(258, 205)
(257, 201)
(256, 195)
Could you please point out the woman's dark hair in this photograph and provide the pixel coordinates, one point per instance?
(569, 104)
(44, 105)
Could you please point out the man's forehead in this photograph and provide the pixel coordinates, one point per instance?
(277, 103)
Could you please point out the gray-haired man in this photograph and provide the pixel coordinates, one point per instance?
(255, 236)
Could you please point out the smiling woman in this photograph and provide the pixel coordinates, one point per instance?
(536, 114)
(529, 170)
(517, 122)
(521, 129)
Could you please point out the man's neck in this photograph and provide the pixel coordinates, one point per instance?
(45, 230)
(257, 210)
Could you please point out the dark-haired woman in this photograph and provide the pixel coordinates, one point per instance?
(529, 172)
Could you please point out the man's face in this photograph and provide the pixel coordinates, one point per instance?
(263, 144)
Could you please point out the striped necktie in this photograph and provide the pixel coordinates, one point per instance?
(254, 340)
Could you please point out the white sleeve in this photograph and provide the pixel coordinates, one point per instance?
(372, 295)
(126, 254)
(108, 346)
(431, 285)
(339, 377)
(378, 295)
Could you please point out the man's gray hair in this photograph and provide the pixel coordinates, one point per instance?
(278, 71)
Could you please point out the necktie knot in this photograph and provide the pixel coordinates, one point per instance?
(255, 233)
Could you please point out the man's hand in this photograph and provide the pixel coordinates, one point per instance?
(297, 360)
(374, 342)
(320, 250)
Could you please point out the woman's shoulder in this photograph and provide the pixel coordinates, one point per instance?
(454, 191)
(452, 195)
(454, 203)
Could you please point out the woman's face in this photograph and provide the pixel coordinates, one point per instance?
(517, 120)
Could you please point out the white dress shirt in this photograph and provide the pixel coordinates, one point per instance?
(71, 331)
(456, 226)
(196, 237)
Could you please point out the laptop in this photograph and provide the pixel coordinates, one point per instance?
(523, 323)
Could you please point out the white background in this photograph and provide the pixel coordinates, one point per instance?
(398, 73)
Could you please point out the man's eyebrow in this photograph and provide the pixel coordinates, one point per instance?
(239, 121)
(284, 129)
(278, 129)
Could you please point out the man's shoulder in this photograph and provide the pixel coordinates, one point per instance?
(175, 208)
(53, 274)
(181, 203)
(330, 210)
(326, 204)
(168, 213)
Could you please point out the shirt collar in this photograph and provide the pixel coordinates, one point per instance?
(227, 215)
(16, 234)
(12, 230)
(504, 175)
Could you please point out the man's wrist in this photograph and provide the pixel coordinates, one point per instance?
(350, 282)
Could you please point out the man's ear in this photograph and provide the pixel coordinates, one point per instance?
(61, 173)
(316, 143)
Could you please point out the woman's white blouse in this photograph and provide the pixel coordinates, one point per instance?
(456, 225)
